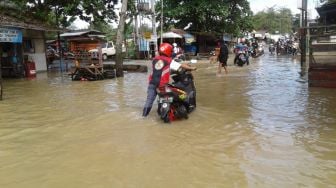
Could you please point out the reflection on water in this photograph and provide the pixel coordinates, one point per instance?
(258, 126)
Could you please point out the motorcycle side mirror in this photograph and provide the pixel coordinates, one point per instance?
(193, 61)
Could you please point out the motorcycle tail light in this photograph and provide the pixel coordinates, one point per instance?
(162, 90)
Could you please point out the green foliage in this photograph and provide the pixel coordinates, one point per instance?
(111, 33)
(67, 10)
(327, 1)
(105, 28)
(276, 20)
(221, 16)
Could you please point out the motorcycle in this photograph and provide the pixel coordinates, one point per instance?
(257, 51)
(241, 58)
(280, 49)
(181, 56)
(260, 50)
(253, 52)
(177, 99)
(271, 48)
(294, 49)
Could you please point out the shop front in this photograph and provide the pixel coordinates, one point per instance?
(11, 52)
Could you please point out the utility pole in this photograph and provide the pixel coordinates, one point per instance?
(154, 25)
(59, 40)
(303, 32)
(136, 25)
(161, 21)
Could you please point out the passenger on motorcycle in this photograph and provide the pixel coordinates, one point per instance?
(177, 51)
(160, 74)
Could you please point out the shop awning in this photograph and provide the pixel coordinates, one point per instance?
(171, 35)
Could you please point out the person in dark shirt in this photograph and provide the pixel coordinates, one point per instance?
(223, 57)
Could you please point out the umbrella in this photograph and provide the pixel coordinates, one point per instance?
(189, 38)
(171, 35)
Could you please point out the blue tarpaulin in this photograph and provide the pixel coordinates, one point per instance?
(143, 45)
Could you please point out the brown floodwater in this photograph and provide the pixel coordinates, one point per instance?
(258, 126)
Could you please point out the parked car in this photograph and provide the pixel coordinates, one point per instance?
(108, 50)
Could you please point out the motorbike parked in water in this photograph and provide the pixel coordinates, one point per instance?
(177, 99)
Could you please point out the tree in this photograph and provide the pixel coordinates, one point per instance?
(222, 16)
(296, 22)
(67, 10)
(274, 20)
(120, 34)
(327, 1)
(111, 32)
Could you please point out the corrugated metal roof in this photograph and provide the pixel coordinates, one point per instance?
(89, 33)
(73, 34)
(10, 21)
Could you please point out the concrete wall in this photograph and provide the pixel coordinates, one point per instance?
(40, 61)
(38, 55)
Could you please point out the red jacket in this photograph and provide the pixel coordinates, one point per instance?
(160, 71)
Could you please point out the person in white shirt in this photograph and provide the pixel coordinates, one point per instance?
(176, 50)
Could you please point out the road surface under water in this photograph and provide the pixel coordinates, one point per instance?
(258, 126)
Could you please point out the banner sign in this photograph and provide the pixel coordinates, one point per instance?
(11, 35)
(147, 35)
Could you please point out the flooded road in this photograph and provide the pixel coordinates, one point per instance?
(258, 126)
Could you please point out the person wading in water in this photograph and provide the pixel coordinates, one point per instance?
(223, 57)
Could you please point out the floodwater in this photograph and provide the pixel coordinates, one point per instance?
(258, 126)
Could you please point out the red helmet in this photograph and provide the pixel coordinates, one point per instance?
(166, 49)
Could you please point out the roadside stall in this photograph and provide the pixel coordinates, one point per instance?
(188, 43)
(88, 67)
(171, 38)
(82, 41)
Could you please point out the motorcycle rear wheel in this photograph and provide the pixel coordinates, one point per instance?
(240, 63)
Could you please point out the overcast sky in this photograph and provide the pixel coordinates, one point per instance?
(259, 5)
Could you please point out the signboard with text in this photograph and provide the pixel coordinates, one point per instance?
(147, 35)
(11, 35)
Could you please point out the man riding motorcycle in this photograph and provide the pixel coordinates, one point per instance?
(160, 74)
(241, 49)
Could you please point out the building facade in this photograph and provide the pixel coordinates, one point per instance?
(21, 41)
